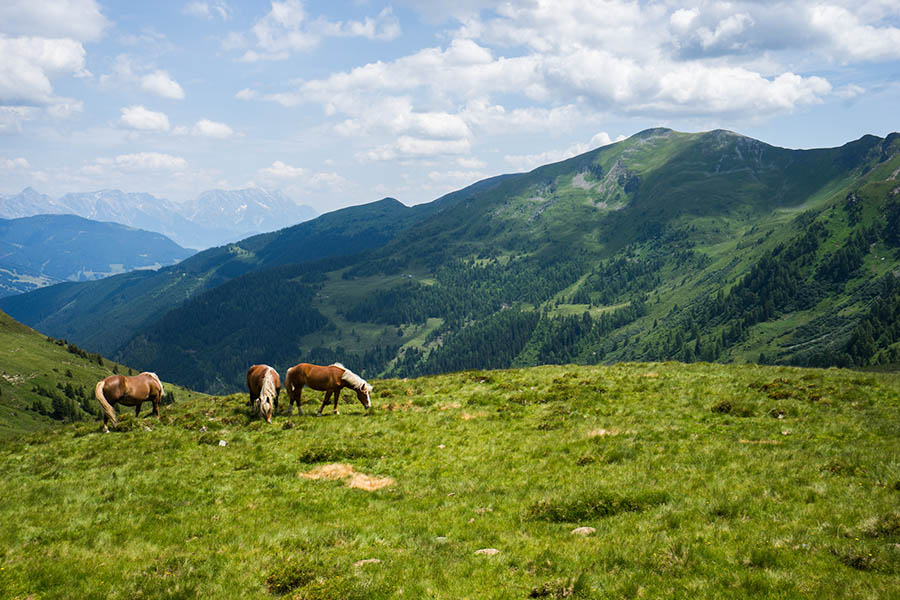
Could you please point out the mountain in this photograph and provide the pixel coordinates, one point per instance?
(243, 213)
(213, 218)
(690, 246)
(105, 313)
(44, 249)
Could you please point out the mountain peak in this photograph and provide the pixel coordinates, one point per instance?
(652, 132)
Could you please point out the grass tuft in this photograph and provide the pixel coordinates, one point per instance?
(596, 504)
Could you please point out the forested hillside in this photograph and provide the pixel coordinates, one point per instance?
(667, 245)
(46, 249)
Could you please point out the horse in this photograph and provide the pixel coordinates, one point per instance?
(331, 379)
(264, 385)
(128, 391)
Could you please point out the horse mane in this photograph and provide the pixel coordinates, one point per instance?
(162, 390)
(353, 380)
(268, 386)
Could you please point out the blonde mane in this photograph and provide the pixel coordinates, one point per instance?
(162, 390)
(352, 379)
(268, 386)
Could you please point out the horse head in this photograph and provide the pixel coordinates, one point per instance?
(363, 394)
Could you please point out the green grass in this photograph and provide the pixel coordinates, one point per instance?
(702, 481)
(30, 360)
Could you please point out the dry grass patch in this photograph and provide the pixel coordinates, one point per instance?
(369, 483)
(355, 479)
(330, 472)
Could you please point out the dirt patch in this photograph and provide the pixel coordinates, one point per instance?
(355, 479)
(650, 374)
(449, 406)
(369, 483)
(330, 472)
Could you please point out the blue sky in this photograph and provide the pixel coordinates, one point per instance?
(341, 103)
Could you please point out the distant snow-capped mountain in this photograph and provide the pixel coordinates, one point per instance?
(247, 211)
(214, 218)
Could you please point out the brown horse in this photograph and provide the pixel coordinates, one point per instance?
(331, 380)
(128, 391)
(264, 385)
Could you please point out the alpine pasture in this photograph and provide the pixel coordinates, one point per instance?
(679, 481)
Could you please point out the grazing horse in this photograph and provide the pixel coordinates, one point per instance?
(331, 380)
(264, 385)
(128, 391)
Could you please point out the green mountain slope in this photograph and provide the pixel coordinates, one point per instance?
(708, 246)
(45, 382)
(102, 315)
(696, 481)
(46, 249)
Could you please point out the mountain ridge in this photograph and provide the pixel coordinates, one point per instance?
(44, 249)
(213, 218)
(582, 257)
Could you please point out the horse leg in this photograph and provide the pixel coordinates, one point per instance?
(324, 402)
(137, 410)
(299, 398)
(337, 394)
(156, 407)
(105, 423)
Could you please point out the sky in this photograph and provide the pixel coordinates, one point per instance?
(342, 103)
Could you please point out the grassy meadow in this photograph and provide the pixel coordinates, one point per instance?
(699, 481)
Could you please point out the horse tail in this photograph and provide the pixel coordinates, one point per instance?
(162, 390)
(107, 407)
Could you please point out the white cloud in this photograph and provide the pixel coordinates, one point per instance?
(301, 181)
(526, 162)
(28, 63)
(853, 40)
(212, 129)
(161, 83)
(280, 170)
(247, 94)
(411, 147)
(287, 29)
(12, 117)
(144, 161)
(208, 10)
(138, 117)
(10, 164)
(75, 19)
